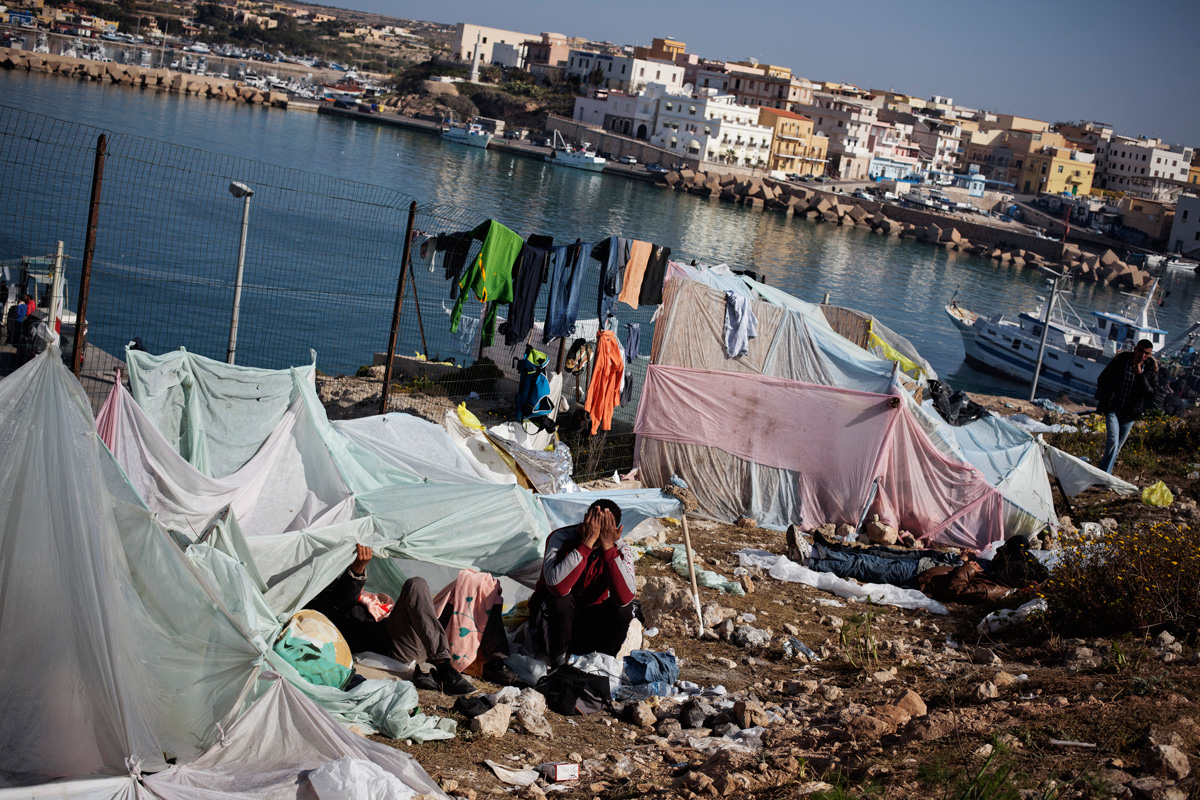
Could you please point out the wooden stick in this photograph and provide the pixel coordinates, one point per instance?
(687, 544)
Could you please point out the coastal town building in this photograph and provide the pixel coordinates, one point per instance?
(546, 57)
(1194, 172)
(709, 126)
(847, 124)
(1144, 167)
(665, 49)
(938, 141)
(468, 38)
(795, 145)
(894, 155)
(616, 111)
(766, 86)
(1057, 170)
(1185, 230)
(624, 72)
(1151, 218)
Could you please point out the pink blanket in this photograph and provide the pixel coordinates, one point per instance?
(836, 441)
(472, 595)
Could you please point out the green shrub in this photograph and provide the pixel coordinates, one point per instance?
(1135, 580)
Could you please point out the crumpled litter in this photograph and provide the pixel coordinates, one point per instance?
(704, 577)
(356, 779)
(1030, 425)
(1157, 494)
(603, 665)
(513, 777)
(1005, 617)
(695, 688)
(783, 569)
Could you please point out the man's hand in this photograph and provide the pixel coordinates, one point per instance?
(610, 533)
(363, 554)
(591, 526)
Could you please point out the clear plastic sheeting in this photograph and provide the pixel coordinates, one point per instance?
(837, 443)
(215, 415)
(549, 471)
(782, 568)
(1077, 475)
(496, 529)
(636, 505)
(121, 788)
(286, 747)
(115, 650)
(291, 483)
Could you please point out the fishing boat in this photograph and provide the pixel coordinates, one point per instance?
(1076, 353)
(576, 157)
(468, 133)
(347, 85)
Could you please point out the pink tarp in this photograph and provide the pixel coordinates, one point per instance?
(837, 442)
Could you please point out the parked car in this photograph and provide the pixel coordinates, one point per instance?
(805, 178)
(626, 160)
(657, 169)
(820, 179)
(863, 194)
(945, 181)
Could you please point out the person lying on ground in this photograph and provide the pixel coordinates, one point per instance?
(945, 577)
(411, 630)
(583, 602)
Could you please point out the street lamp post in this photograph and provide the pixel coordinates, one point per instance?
(239, 190)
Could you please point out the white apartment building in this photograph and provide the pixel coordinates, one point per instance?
(755, 87)
(467, 37)
(847, 123)
(1142, 167)
(626, 73)
(1185, 231)
(709, 126)
(894, 155)
(621, 113)
(940, 142)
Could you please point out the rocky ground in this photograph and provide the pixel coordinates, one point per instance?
(894, 703)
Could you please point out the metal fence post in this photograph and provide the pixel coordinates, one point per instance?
(391, 348)
(89, 251)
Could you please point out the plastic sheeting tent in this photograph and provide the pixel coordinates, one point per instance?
(842, 452)
(116, 647)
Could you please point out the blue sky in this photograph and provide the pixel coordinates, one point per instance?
(1133, 64)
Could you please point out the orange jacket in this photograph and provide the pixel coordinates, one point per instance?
(604, 392)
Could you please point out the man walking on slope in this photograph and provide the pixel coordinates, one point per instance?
(584, 600)
(1124, 390)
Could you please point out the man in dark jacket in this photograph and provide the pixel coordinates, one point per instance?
(1124, 390)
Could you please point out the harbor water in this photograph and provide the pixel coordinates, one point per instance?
(904, 283)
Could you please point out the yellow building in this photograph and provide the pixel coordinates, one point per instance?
(1194, 173)
(1056, 170)
(661, 49)
(794, 145)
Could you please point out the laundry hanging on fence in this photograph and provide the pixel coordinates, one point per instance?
(635, 271)
(655, 275)
(633, 340)
(456, 247)
(567, 268)
(740, 324)
(613, 255)
(604, 390)
(490, 275)
(527, 283)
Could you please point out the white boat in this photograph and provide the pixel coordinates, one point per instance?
(1075, 354)
(43, 44)
(468, 133)
(581, 157)
(1176, 264)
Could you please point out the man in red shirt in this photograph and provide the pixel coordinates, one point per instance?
(583, 602)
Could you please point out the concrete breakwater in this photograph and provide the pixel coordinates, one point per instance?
(156, 78)
(1004, 245)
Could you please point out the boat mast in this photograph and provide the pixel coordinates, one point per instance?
(1037, 370)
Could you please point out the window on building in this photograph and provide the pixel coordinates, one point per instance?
(622, 69)
(485, 40)
(692, 110)
(669, 105)
(1060, 169)
(706, 82)
(839, 123)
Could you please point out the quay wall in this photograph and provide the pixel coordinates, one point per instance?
(129, 75)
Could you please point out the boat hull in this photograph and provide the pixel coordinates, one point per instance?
(481, 140)
(585, 163)
(1014, 356)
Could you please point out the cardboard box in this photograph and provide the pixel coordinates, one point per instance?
(559, 771)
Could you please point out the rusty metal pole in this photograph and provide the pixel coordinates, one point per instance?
(391, 348)
(89, 252)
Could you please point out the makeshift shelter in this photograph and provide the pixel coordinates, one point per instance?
(126, 652)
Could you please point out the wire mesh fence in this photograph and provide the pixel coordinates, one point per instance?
(322, 259)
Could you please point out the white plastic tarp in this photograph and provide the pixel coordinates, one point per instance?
(215, 415)
(282, 748)
(781, 568)
(635, 504)
(291, 483)
(115, 649)
(1077, 475)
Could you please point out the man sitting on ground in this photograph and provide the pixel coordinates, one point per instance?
(583, 602)
(412, 631)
